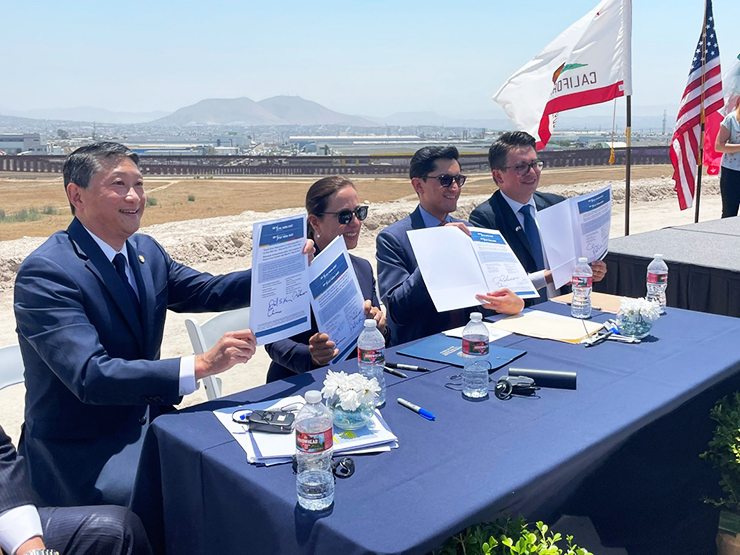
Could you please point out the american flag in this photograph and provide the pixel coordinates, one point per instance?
(685, 141)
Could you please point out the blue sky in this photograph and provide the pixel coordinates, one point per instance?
(369, 57)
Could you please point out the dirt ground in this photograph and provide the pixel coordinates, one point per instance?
(231, 196)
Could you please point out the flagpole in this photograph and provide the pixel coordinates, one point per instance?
(627, 163)
(700, 161)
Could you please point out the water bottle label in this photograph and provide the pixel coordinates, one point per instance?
(474, 348)
(582, 281)
(371, 356)
(658, 279)
(314, 443)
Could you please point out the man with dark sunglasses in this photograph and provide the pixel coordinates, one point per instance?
(437, 179)
(513, 208)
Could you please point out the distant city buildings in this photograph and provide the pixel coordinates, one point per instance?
(17, 143)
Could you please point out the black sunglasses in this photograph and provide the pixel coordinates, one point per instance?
(345, 216)
(446, 180)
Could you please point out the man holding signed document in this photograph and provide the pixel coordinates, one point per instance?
(513, 208)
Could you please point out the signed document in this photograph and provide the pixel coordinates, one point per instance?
(338, 304)
(456, 267)
(281, 305)
(576, 227)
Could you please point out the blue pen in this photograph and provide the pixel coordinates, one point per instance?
(416, 408)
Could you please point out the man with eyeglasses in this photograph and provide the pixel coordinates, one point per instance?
(513, 208)
(436, 178)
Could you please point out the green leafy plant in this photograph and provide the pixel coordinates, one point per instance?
(724, 452)
(50, 210)
(191, 198)
(151, 201)
(509, 537)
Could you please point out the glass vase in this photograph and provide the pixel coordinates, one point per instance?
(633, 324)
(351, 419)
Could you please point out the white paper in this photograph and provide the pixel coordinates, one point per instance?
(338, 304)
(456, 268)
(281, 305)
(577, 227)
(267, 448)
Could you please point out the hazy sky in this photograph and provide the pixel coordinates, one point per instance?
(369, 57)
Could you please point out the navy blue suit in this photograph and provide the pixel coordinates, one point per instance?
(291, 356)
(496, 213)
(92, 365)
(402, 288)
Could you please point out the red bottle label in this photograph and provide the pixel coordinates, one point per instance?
(371, 356)
(657, 278)
(474, 348)
(582, 281)
(314, 443)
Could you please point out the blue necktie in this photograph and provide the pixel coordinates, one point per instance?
(533, 236)
(119, 261)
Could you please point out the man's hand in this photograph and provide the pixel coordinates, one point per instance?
(548, 276)
(234, 347)
(29, 545)
(459, 225)
(322, 350)
(598, 267)
(310, 250)
(503, 301)
(376, 314)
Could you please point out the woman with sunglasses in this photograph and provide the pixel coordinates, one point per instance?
(334, 209)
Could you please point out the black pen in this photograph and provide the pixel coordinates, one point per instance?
(395, 372)
(400, 366)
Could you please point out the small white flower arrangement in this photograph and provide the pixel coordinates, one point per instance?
(649, 310)
(352, 390)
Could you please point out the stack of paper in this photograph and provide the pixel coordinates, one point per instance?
(544, 325)
(268, 449)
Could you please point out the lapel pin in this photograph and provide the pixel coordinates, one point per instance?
(141, 258)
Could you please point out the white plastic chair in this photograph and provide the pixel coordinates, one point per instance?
(204, 336)
(11, 366)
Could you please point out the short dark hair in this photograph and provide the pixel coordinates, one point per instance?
(422, 163)
(83, 163)
(500, 148)
(318, 195)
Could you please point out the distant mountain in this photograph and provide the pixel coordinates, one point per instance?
(87, 114)
(295, 110)
(278, 110)
(222, 111)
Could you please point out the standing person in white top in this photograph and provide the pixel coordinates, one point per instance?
(728, 143)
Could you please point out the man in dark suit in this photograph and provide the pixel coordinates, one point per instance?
(90, 306)
(26, 530)
(436, 178)
(513, 208)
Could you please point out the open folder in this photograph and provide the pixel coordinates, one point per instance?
(456, 267)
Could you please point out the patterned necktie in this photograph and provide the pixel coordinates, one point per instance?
(533, 236)
(119, 261)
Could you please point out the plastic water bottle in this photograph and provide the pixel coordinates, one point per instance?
(371, 356)
(314, 435)
(475, 351)
(582, 281)
(657, 281)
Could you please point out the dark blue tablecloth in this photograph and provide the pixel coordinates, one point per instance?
(476, 461)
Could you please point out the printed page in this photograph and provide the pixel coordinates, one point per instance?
(500, 266)
(449, 266)
(337, 301)
(280, 306)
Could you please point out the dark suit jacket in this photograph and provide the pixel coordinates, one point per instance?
(402, 288)
(496, 213)
(291, 356)
(15, 488)
(92, 366)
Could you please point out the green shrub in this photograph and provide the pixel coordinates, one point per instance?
(2, 215)
(191, 198)
(50, 210)
(151, 201)
(724, 451)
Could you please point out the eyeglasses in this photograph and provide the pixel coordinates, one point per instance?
(446, 179)
(523, 169)
(345, 216)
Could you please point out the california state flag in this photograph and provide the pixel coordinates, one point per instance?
(587, 64)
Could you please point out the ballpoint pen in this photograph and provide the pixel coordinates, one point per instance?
(394, 372)
(400, 366)
(417, 409)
